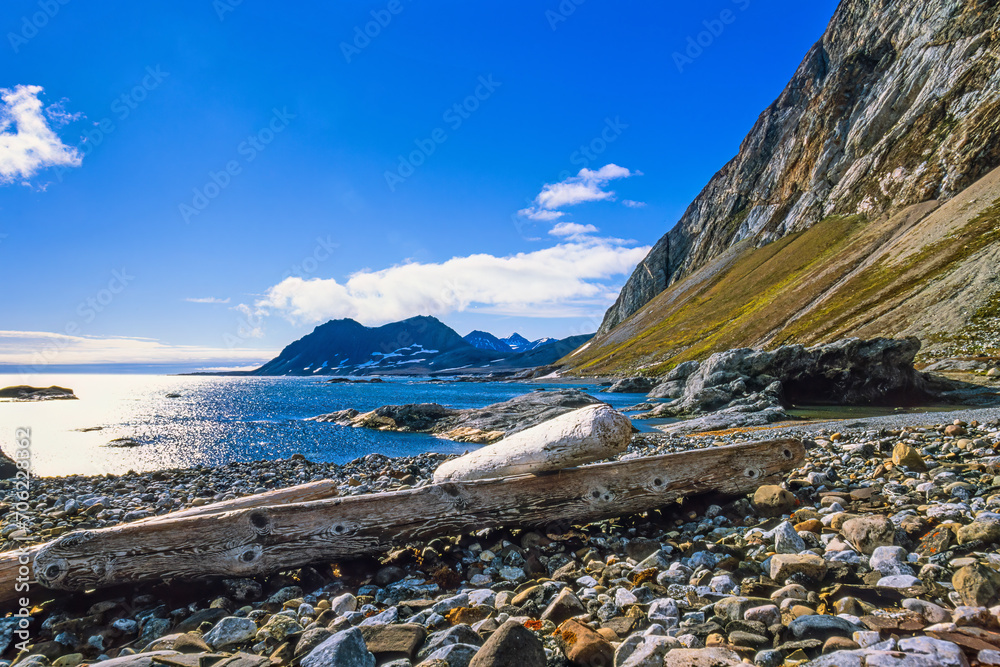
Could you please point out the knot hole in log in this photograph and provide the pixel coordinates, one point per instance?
(49, 572)
(452, 493)
(260, 522)
(753, 473)
(599, 495)
(658, 483)
(341, 528)
(249, 554)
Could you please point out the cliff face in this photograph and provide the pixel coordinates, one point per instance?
(897, 104)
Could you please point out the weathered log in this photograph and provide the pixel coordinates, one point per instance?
(261, 540)
(14, 564)
(593, 433)
(319, 490)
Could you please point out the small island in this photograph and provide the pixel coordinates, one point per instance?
(25, 392)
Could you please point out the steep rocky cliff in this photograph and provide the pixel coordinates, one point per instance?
(897, 104)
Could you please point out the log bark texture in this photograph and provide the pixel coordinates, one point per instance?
(12, 562)
(259, 540)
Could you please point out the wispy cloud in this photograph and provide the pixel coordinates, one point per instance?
(572, 229)
(33, 146)
(38, 349)
(540, 214)
(206, 299)
(588, 185)
(564, 280)
(631, 203)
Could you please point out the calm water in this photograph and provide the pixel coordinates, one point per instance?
(222, 419)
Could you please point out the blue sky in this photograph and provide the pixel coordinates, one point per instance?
(206, 181)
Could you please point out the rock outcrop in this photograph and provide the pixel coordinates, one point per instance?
(898, 103)
(477, 425)
(633, 385)
(589, 434)
(748, 387)
(24, 392)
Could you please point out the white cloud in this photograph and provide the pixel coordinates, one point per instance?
(588, 185)
(540, 214)
(34, 146)
(206, 299)
(564, 280)
(572, 229)
(634, 204)
(34, 350)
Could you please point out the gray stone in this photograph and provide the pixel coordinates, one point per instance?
(458, 634)
(816, 626)
(344, 649)
(786, 540)
(455, 655)
(231, 631)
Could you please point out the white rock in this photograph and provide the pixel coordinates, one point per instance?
(931, 612)
(589, 434)
(343, 604)
(898, 581)
(786, 540)
(946, 654)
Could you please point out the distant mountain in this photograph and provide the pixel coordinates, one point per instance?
(484, 340)
(416, 346)
(517, 342)
(346, 345)
(535, 344)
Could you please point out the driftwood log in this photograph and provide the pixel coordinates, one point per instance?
(16, 566)
(261, 539)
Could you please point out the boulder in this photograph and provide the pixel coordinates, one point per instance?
(588, 434)
(583, 646)
(633, 385)
(345, 648)
(702, 657)
(908, 457)
(477, 425)
(867, 533)
(785, 565)
(771, 500)
(736, 384)
(512, 645)
(977, 584)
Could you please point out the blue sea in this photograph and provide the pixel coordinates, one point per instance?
(216, 420)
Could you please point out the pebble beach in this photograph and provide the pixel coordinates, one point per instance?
(879, 550)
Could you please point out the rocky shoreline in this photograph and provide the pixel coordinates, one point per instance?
(880, 549)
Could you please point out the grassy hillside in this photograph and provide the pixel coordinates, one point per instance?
(929, 270)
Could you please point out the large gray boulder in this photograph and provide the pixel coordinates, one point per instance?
(477, 425)
(633, 385)
(747, 387)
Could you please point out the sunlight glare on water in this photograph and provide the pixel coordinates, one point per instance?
(216, 420)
